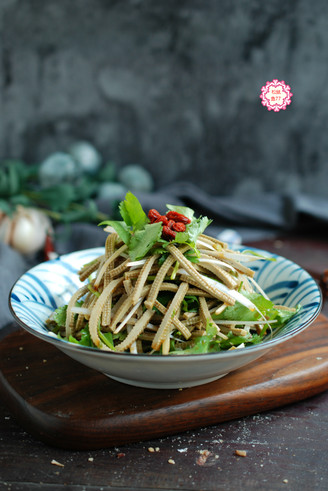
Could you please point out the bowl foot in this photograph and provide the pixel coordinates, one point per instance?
(165, 385)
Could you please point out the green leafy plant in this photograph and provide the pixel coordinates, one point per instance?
(64, 202)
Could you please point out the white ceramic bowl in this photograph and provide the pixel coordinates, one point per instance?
(50, 284)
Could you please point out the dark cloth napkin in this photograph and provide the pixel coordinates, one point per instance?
(255, 217)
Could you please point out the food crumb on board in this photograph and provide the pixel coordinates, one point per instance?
(55, 462)
(152, 449)
(285, 481)
(241, 453)
(90, 459)
(171, 461)
(120, 455)
(204, 454)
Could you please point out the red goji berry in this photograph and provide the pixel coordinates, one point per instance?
(163, 219)
(179, 227)
(177, 217)
(153, 215)
(167, 233)
(170, 223)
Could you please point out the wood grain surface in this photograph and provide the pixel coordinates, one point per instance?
(67, 405)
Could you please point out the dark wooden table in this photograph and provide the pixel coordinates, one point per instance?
(286, 448)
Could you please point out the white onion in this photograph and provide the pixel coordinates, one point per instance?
(26, 231)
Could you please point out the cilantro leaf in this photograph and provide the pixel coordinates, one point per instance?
(60, 316)
(197, 227)
(202, 344)
(120, 228)
(240, 312)
(106, 338)
(132, 213)
(181, 238)
(85, 339)
(135, 231)
(234, 340)
(143, 240)
(282, 316)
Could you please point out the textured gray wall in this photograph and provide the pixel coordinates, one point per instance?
(172, 85)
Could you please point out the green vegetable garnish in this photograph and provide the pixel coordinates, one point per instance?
(140, 235)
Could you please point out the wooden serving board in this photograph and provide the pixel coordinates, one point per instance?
(68, 405)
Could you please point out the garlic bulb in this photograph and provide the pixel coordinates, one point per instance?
(26, 230)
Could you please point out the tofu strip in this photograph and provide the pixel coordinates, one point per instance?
(137, 329)
(97, 310)
(170, 313)
(201, 282)
(109, 251)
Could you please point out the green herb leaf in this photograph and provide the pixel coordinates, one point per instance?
(57, 198)
(192, 256)
(197, 227)
(106, 338)
(282, 316)
(60, 316)
(234, 340)
(85, 339)
(135, 230)
(132, 213)
(120, 228)
(238, 311)
(181, 238)
(190, 303)
(72, 339)
(202, 344)
(143, 240)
